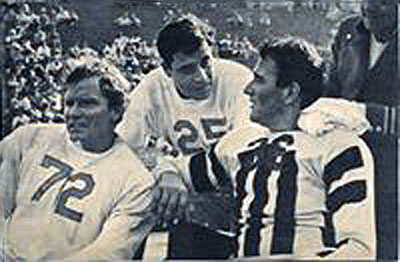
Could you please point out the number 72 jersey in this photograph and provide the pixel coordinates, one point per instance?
(300, 195)
(62, 202)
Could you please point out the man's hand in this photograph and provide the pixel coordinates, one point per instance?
(384, 119)
(213, 210)
(172, 197)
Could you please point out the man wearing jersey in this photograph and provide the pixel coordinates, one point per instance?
(184, 107)
(297, 194)
(75, 191)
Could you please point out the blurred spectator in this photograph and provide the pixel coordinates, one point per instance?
(235, 19)
(365, 53)
(128, 19)
(133, 56)
(36, 55)
(240, 50)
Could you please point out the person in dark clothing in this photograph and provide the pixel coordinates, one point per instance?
(366, 70)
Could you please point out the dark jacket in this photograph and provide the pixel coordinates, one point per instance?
(351, 77)
(379, 89)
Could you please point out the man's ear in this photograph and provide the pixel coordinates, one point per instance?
(291, 93)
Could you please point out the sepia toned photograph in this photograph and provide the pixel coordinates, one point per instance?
(172, 130)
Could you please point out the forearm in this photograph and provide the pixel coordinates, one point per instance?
(125, 229)
(116, 246)
(8, 192)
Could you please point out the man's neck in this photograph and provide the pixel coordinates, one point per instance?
(285, 121)
(98, 145)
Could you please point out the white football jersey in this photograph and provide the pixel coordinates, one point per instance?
(62, 202)
(299, 195)
(158, 113)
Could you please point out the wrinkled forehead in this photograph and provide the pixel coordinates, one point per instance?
(181, 59)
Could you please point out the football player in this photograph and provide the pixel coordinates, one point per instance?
(182, 108)
(75, 191)
(297, 194)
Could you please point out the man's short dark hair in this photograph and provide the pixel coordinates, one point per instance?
(181, 36)
(117, 99)
(297, 60)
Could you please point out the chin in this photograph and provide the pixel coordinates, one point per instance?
(202, 93)
(202, 96)
(73, 137)
(253, 118)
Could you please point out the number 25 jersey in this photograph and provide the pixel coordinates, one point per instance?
(63, 202)
(156, 110)
(301, 195)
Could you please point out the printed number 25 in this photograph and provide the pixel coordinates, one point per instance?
(64, 172)
(187, 141)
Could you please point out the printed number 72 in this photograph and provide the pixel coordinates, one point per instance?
(64, 172)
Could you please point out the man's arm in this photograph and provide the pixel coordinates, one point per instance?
(10, 156)
(350, 217)
(344, 50)
(139, 127)
(126, 227)
(196, 189)
(384, 119)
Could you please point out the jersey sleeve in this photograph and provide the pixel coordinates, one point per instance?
(140, 123)
(9, 159)
(10, 154)
(128, 224)
(349, 179)
(12, 149)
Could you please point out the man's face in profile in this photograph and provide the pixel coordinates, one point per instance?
(380, 17)
(266, 99)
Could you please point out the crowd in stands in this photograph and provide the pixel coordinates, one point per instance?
(36, 58)
(35, 61)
